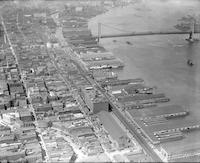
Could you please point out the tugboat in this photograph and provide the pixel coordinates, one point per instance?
(128, 42)
(190, 63)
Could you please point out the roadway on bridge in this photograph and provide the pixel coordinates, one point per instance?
(124, 33)
(148, 33)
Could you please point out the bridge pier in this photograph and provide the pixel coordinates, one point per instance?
(191, 35)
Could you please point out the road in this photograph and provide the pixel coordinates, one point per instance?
(116, 109)
(130, 127)
(17, 62)
(138, 137)
(123, 119)
(148, 33)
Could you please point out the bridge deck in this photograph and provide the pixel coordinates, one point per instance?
(142, 34)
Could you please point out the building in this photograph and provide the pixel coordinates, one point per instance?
(90, 2)
(42, 14)
(97, 56)
(43, 108)
(7, 139)
(122, 82)
(5, 130)
(105, 64)
(180, 151)
(100, 75)
(95, 100)
(164, 124)
(25, 115)
(9, 155)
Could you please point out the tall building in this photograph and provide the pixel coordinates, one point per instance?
(95, 100)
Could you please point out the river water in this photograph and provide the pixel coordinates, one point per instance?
(160, 60)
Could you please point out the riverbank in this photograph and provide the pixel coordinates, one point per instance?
(151, 59)
(159, 60)
(144, 16)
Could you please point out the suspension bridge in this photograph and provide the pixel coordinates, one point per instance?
(124, 33)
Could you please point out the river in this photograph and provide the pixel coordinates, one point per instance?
(160, 60)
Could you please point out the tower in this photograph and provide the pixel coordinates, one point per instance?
(99, 32)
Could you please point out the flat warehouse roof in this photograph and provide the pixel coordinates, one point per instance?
(156, 111)
(150, 129)
(190, 143)
(98, 54)
(130, 98)
(172, 124)
(104, 62)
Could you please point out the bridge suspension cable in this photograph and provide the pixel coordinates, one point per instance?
(108, 26)
(126, 33)
(119, 29)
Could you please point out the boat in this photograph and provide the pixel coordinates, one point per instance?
(129, 43)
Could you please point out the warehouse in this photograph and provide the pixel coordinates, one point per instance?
(105, 64)
(181, 152)
(97, 56)
(158, 111)
(161, 130)
(95, 100)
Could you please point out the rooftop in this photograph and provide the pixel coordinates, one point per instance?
(91, 55)
(162, 125)
(93, 94)
(113, 62)
(190, 143)
(156, 111)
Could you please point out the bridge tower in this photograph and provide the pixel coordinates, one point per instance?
(2, 34)
(5, 38)
(193, 30)
(99, 32)
(197, 29)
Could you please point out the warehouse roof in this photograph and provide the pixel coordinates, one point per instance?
(191, 143)
(156, 111)
(166, 125)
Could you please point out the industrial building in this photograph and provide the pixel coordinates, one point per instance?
(105, 64)
(121, 82)
(163, 124)
(95, 100)
(164, 111)
(97, 56)
(181, 152)
(102, 75)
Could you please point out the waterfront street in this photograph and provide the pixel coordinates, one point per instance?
(159, 60)
(68, 96)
